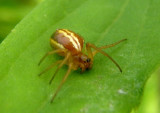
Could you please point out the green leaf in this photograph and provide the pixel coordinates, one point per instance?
(101, 90)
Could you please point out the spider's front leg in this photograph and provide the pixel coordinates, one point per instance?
(91, 55)
(108, 46)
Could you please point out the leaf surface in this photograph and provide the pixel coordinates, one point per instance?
(100, 90)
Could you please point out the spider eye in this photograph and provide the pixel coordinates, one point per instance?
(88, 60)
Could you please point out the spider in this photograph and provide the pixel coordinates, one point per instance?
(69, 44)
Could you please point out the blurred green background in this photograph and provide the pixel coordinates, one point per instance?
(11, 13)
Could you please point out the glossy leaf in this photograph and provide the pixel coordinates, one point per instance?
(101, 90)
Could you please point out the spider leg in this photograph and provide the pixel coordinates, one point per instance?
(89, 51)
(105, 54)
(62, 63)
(49, 67)
(108, 46)
(49, 53)
(62, 82)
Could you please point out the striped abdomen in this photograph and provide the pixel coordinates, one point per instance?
(63, 38)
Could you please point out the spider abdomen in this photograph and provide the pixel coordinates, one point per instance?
(69, 40)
